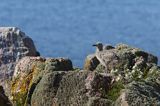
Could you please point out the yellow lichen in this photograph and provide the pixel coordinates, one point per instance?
(87, 65)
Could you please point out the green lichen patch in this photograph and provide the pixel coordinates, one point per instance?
(46, 89)
(114, 93)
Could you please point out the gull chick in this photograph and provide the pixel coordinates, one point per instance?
(104, 55)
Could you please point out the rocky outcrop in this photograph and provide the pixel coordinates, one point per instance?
(130, 77)
(121, 57)
(14, 45)
(39, 82)
(136, 76)
(132, 81)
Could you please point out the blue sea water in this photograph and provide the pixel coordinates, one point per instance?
(68, 28)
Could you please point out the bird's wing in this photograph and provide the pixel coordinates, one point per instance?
(105, 57)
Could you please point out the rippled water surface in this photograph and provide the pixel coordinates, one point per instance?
(68, 28)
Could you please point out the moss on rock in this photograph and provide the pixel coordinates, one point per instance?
(29, 72)
(115, 91)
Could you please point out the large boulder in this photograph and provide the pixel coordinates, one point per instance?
(79, 89)
(14, 45)
(31, 71)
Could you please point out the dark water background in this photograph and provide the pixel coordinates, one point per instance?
(68, 28)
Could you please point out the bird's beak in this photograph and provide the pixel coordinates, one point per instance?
(94, 45)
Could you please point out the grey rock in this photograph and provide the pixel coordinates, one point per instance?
(37, 79)
(78, 89)
(145, 93)
(14, 45)
(46, 90)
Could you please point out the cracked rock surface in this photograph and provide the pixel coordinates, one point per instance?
(14, 45)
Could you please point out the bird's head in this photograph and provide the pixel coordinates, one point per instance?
(99, 46)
